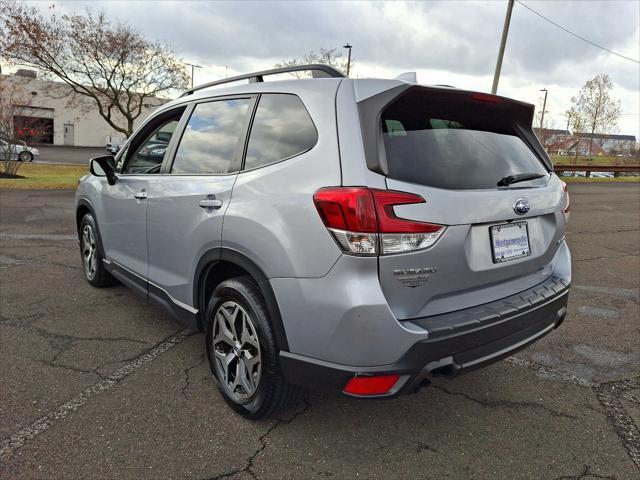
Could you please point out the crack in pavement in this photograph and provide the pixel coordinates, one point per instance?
(506, 403)
(61, 342)
(630, 293)
(93, 371)
(549, 372)
(631, 397)
(248, 468)
(604, 258)
(424, 447)
(9, 445)
(38, 236)
(187, 374)
(586, 473)
(622, 230)
(609, 396)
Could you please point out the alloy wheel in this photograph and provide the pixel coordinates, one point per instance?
(236, 351)
(89, 254)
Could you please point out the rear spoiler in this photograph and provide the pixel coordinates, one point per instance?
(520, 118)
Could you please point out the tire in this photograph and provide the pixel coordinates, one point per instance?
(25, 157)
(253, 389)
(92, 253)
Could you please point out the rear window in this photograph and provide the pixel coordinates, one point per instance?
(282, 128)
(454, 142)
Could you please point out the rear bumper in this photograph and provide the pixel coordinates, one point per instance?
(458, 342)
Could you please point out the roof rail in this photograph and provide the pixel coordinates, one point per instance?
(317, 70)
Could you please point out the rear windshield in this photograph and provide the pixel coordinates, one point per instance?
(454, 142)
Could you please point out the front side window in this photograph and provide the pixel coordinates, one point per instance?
(213, 139)
(147, 155)
(282, 128)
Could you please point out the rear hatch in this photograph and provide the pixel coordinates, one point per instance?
(453, 148)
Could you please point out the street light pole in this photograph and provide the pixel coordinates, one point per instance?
(544, 106)
(503, 43)
(192, 71)
(349, 47)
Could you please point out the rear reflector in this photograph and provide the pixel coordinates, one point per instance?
(567, 203)
(363, 222)
(377, 385)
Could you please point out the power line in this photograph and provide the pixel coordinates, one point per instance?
(576, 35)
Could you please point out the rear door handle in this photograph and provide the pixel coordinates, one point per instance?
(140, 195)
(210, 203)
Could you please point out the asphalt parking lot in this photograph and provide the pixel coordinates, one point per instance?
(98, 384)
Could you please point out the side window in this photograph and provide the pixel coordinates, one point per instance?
(282, 128)
(213, 139)
(145, 155)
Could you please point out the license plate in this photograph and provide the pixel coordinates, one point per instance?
(510, 241)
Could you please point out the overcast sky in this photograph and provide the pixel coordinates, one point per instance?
(445, 42)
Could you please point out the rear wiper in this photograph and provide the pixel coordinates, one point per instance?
(520, 177)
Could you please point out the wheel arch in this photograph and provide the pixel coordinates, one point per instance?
(220, 264)
(82, 208)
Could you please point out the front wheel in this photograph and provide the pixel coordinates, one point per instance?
(25, 156)
(92, 254)
(243, 352)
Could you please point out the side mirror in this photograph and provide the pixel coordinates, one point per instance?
(104, 167)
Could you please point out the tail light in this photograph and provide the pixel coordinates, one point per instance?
(363, 222)
(567, 203)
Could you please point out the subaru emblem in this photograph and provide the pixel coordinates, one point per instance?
(522, 206)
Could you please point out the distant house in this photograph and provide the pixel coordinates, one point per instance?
(551, 136)
(573, 144)
(611, 144)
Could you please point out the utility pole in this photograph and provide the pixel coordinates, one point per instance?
(192, 70)
(349, 47)
(503, 43)
(544, 105)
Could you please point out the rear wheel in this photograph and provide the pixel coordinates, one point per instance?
(92, 254)
(25, 156)
(242, 351)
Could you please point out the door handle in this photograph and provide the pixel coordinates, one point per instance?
(210, 203)
(140, 195)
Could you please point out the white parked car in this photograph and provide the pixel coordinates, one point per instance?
(113, 144)
(17, 150)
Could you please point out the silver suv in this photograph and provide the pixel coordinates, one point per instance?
(357, 236)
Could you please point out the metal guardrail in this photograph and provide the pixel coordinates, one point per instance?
(615, 169)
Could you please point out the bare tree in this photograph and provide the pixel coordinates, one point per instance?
(595, 108)
(112, 64)
(577, 125)
(12, 104)
(331, 57)
(544, 131)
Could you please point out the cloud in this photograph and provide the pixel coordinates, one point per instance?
(453, 39)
